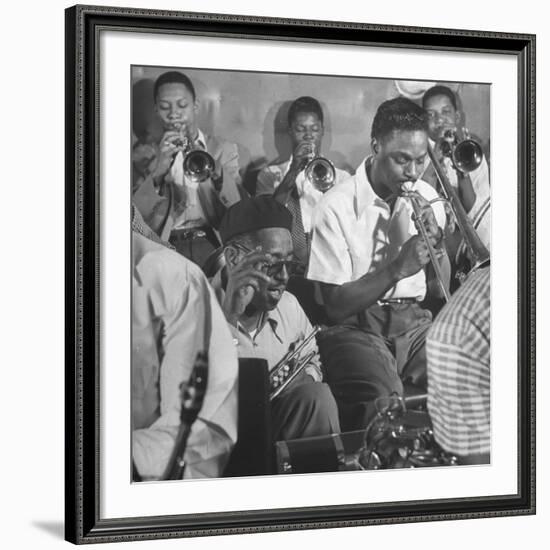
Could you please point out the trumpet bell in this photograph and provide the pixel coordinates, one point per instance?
(467, 155)
(198, 165)
(320, 172)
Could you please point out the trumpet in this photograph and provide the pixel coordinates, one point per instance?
(424, 233)
(465, 153)
(286, 370)
(198, 165)
(319, 171)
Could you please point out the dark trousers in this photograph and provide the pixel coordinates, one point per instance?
(381, 355)
(306, 409)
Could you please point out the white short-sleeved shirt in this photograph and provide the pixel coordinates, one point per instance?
(271, 176)
(355, 233)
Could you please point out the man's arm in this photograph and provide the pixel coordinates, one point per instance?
(330, 264)
(283, 191)
(343, 301)
(300, 157)
(466, 191)
(191, 318)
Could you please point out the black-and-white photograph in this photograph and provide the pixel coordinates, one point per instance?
(310, 276)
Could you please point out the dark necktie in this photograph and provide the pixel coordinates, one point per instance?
(299, 238)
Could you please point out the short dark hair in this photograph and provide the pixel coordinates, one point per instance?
(304, 104)
(439, 90)
(169, 78)
(399, 114)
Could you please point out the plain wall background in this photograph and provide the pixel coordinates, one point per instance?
(32, 276)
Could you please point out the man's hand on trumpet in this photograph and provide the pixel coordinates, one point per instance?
(170, 146)
(412, 257)
(434, 232)
(300, 157)
(303, 153)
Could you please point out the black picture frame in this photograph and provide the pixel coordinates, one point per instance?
(83, 24)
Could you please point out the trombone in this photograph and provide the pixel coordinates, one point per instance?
(286, 370)
(467, 156)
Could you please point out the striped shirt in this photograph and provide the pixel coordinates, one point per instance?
(458, 354)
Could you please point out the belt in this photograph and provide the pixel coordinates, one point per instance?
(391, 301)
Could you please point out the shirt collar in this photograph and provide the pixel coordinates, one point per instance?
(270, 317)
(267, 318)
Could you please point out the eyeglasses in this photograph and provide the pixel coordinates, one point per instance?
(293, 267)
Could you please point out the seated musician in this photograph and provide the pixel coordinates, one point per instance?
(373, 266)
(174, 315)
(172, 204)
(288, 183)
(265, 320)
(473, 187)
(458, 353)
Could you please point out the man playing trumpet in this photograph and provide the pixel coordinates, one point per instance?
(373, 266)
(473, 187)
(290, 185)
(177, 204)
(265, 320)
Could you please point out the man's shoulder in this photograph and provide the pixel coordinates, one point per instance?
(289, 304)
(339, 197)
(155, 261)
(217, 145)
(341, 175)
